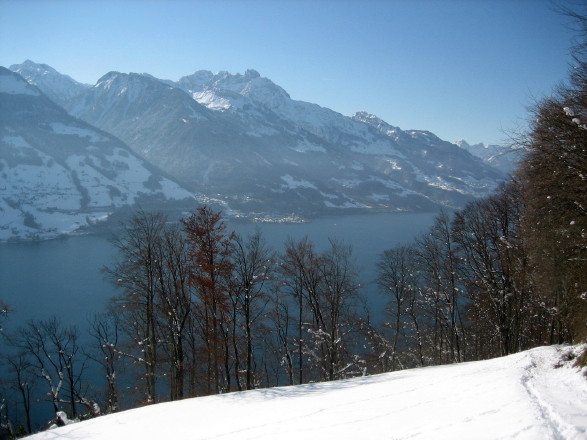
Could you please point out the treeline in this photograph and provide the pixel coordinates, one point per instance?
(206, 311)
(471, 289)
(201, 311)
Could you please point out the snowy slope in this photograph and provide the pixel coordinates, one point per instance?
(58, 173)
(530, 395)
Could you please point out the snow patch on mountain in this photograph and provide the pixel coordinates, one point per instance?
(215, 102)
(305, 146)
(293, 183)
(346, 204)
(45, 199)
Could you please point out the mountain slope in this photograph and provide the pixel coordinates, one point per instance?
(497, 156)
(58, 173)
(531, 395)
(58, 87)
(243, 137)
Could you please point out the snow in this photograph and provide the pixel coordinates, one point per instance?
(214, 102)
(293, 183)
(47, 193)
(379, 197)
(529, 395)
(377, 148)
(394, 164)
(498, 156)
(304, 146)
(48, 80)
(344, 205)
(347, 183)
(259, 130)
(224, 91)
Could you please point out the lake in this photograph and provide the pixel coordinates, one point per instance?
(63, 277)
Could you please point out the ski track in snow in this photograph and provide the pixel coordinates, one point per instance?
(522, 396)
(549, 402)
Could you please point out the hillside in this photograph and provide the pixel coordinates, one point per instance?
(536, 394)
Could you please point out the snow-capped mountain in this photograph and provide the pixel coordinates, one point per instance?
(58, 173)
(503, 158)
(58, 87)
(242, 137)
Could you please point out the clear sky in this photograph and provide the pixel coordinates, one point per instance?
(459, 68)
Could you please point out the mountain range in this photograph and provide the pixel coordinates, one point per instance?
(242, 139)
(58, 173)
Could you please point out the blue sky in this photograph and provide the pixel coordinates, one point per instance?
(459, 68)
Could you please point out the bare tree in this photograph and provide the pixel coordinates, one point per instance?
(55, 356)
(175, 300)
(300, 277)
(211, 248)
(398, 278)
(4, 310)
(253, 267)
(23, 383)
(324, 288)
(443, 290)
(284, 344)
(106, 332)
(336, 306)
(495, 269)
(136, 274)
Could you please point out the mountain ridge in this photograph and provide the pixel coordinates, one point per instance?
(57, 86)
(241, 137)
(503, 158)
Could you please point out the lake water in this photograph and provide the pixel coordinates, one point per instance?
(63, 277)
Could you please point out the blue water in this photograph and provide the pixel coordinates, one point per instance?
(63, 277)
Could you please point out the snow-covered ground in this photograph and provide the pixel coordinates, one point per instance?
(536, 394)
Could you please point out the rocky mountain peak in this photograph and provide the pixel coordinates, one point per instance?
(58, 87)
